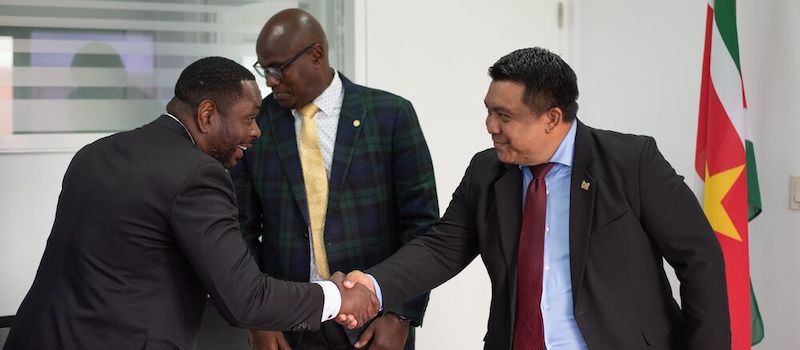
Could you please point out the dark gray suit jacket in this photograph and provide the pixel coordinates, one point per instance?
(146, 225)
(635, 212)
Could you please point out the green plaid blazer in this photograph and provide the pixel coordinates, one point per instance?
(382, 191)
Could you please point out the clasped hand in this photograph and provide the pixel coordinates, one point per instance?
(359, 303)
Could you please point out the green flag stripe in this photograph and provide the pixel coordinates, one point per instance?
(725, 16)
(756, 324)
(753, 192)
(753, 209)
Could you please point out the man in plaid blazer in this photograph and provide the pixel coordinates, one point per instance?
(381, 184)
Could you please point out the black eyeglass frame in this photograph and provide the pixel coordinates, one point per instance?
(277, 72)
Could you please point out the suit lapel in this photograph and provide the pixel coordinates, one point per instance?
(581, 209)
(508, 198)
(283, 132)
(352, 120)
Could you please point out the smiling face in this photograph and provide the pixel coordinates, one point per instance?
(234, 130)
(520, 136)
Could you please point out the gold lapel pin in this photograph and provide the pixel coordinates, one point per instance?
(584, 185)
(356, 123)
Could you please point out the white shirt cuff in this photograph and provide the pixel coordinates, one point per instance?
(333, 300)
(377, 290)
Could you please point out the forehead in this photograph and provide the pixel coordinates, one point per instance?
(504, 93)
(276, 47)
(250, 99)
(250, 90)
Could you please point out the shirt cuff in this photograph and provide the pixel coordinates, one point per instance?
(333, 300)
(377, 290)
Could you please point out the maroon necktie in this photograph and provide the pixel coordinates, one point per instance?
(528, 327)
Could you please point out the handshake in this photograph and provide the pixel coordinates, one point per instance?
(359, 301)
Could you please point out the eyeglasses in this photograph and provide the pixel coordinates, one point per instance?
(277, 73)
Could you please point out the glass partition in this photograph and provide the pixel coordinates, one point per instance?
(100, 66)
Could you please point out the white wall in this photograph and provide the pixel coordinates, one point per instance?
(30, 187)
(769, 40)
(31, 169)
(436, 54)
(638, 66)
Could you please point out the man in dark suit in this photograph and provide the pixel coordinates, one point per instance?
(146, 226)
(345, 197)
(573, 224)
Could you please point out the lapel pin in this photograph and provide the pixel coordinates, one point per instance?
(356, 123)
(584, 185)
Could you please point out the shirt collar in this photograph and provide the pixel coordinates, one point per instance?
(330, 100)
(566, 149)
(184, 127)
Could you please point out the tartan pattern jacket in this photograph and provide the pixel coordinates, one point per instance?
(382, 191)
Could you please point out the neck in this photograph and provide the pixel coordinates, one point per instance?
(557, 135)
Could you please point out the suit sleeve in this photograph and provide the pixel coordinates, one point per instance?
(673, 218)
(434, 257)
(249, 208)
(204, 222)
(414, 186)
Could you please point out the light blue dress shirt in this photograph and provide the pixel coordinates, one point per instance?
(560, 329)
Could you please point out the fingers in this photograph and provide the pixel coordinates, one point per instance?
(282, 343)
(337, 277)
(359, 305)
(347, 320)
(358, 277)
(268, 340)
(365, 337)
(353, 322)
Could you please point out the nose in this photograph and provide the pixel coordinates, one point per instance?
(272, 81)
(491, 124)
(255, 132)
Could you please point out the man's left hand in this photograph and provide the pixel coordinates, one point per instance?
(387, 332)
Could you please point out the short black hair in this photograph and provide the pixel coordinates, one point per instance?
(549, 81)
(212, 78)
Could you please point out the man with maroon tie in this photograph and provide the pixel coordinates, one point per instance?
(573, 224)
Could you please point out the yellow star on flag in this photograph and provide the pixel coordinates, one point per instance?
(717, 186)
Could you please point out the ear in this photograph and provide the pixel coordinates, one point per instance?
(317, 54)
(205, 111)
(553, 118)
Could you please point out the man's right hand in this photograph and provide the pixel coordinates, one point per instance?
(358, 277)
(268, 340)
(359, 304)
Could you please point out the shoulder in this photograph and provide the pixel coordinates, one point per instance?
(617, 140)
(151, 151)
(485, 165)
(614, 145)
(372, 97)
(487, 157)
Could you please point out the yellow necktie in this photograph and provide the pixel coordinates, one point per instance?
(316, 183)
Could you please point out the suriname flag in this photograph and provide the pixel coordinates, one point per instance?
(725, 163)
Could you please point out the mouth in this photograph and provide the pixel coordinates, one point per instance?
(240, 150)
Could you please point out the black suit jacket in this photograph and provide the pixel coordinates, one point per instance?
(635, 212)
(146, 225)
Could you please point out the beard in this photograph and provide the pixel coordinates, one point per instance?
(224, 147)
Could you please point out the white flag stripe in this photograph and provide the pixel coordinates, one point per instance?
(727, 82)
